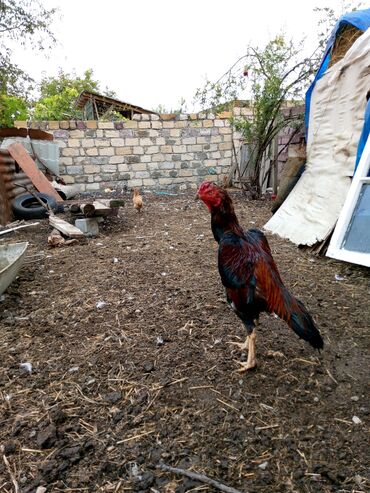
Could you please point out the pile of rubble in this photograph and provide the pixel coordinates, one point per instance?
(27, 193)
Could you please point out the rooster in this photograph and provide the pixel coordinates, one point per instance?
(137, 200)
(250, 276)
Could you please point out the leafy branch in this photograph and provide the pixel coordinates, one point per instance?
(272, 76)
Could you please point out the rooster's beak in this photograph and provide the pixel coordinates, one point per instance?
(196, 196)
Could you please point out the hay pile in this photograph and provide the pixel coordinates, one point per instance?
(346, 36)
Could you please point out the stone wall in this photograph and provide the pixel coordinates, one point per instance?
(167, 152)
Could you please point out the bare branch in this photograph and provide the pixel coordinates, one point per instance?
(230, 69)
(198, 477)
(256, 54)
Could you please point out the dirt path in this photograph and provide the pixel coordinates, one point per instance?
(128, 335)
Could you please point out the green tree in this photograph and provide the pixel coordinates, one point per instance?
(59, 94)
(25, 22)
(52, 86)
(12, 108)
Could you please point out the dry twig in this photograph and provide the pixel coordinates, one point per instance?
(12, 477)
(198, 477)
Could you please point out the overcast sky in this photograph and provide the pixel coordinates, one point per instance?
(153, 52)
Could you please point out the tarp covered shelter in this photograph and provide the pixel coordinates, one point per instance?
(335, 106)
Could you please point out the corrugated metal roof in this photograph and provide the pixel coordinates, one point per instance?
(105, 102)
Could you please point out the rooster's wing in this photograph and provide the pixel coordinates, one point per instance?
(250, 275)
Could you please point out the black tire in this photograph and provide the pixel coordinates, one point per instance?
(26, 206)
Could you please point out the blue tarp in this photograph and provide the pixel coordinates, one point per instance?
(361, 20)
(364, 134)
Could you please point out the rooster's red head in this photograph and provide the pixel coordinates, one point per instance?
(212, 195)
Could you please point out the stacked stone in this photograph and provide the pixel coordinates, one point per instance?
(150, 151)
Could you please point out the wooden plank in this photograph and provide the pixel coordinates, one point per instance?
(112, 202)
(101, 209)
(116, 203)
(107, 202)
(4, 231)
(64, 227)
(42, 184)
(23, 132)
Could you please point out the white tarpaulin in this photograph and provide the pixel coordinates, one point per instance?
(336, 118)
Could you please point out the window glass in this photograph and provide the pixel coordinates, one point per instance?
(357, 237)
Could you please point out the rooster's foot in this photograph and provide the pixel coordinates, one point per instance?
(243, 346)
(246, 366)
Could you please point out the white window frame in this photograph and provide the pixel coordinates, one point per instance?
(335, 249)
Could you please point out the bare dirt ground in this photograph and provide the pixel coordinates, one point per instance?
(128, 336)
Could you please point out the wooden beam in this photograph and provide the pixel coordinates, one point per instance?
(4, 231)
(42, 184)
(101, 209)
(33, 133)
(64, 227)
(87, 209)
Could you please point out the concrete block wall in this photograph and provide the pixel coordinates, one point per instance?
(151, 151)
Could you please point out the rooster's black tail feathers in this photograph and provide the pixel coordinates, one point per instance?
(303, 325)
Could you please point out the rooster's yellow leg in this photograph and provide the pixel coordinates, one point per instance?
(251, 361)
